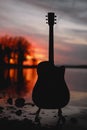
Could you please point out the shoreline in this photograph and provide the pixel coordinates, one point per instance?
(76, 118)
(75, 114)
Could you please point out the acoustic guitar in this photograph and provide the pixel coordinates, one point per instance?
(50, 90)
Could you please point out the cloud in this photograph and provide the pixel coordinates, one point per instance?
(75, 10)
(27, 17)
(18, 16)
(71, 54)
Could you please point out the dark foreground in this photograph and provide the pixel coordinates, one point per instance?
(75, 119)
(28, 124)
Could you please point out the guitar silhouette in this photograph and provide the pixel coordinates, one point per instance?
(50, 90)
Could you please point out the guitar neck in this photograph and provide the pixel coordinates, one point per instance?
(51, 21)
(51, 44)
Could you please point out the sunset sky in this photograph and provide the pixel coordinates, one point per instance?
(27, 18)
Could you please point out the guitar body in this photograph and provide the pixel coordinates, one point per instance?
(50, 90)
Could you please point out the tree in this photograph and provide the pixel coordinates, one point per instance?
(8, 51)
(17, 46)
(1, 54)
(22, 47)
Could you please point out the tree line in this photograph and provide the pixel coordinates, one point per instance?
(14, 50)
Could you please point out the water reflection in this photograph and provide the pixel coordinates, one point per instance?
(16, 83)
(76, 79)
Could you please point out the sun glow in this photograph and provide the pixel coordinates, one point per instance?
(11, 61)
(28, 57)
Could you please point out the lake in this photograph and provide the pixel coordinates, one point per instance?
(16, 83)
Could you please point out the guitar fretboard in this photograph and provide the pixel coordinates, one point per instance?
(51, 21)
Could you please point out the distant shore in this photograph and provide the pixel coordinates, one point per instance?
(35, 66)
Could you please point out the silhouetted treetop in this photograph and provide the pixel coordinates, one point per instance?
(14, 48)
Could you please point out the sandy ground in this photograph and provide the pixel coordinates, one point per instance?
(24, 117)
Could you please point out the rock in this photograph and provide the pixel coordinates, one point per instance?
(20, 102)
(19, 112)
(10, 101)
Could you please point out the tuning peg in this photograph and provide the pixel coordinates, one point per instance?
(46, 22)
(46, 19)
(54, 22)
(46, 16)
(55, 16)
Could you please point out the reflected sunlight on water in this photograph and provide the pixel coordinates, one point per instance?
(16, 83)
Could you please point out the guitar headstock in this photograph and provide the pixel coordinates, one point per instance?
(51, 18)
